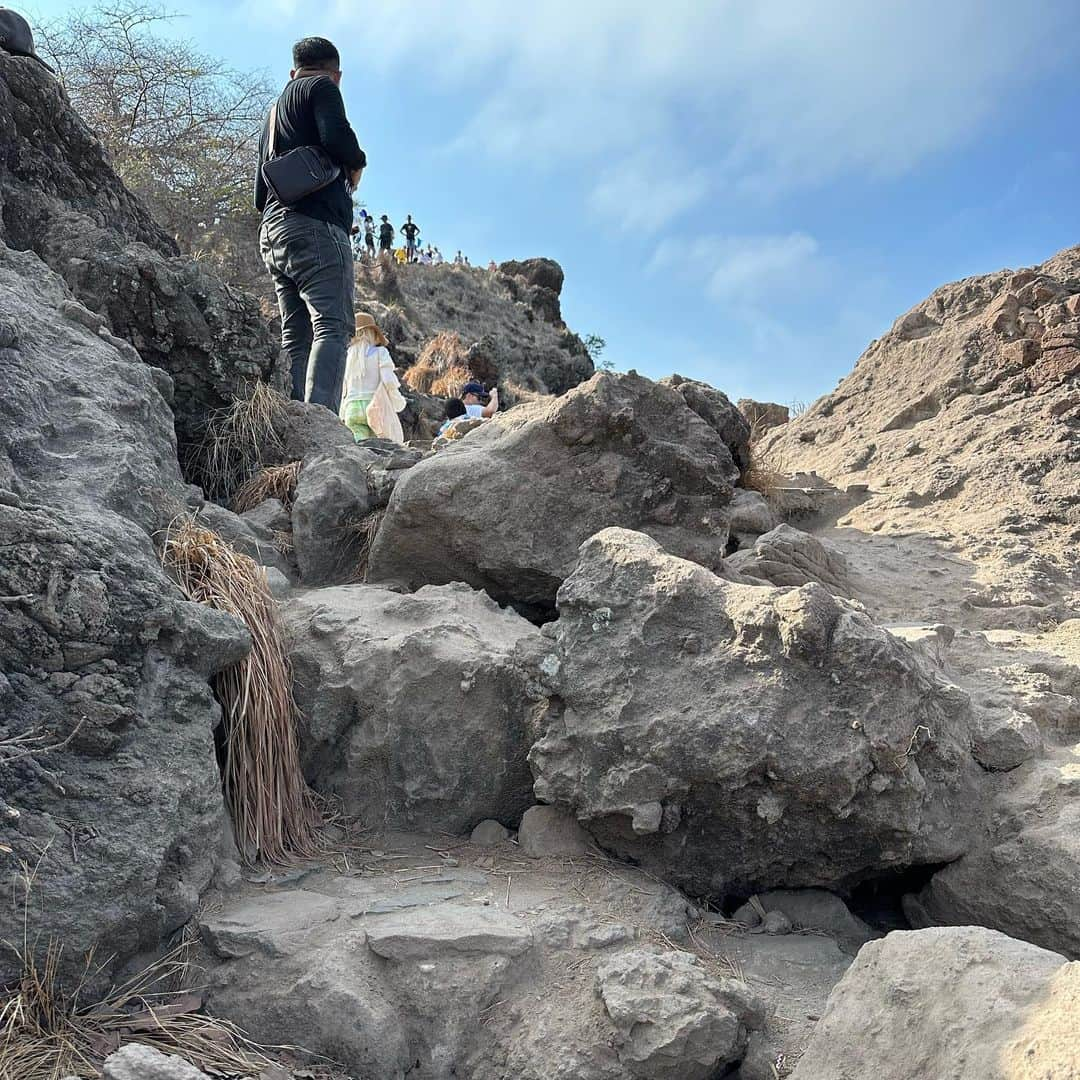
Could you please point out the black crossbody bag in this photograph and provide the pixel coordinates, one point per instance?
(300, 172)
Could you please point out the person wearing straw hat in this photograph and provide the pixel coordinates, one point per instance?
(17, 38)
(371, 400)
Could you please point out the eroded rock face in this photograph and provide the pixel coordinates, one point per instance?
(963, 1002)
(787, 556)
(123, 822)
(416, 706)
(1023, 877)
(60, 198)
(961, 420)
(506, 508)
(735, 737)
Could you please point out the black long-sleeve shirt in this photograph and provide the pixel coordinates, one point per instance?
(311, 112)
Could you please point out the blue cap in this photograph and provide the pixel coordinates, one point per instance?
(473, 388)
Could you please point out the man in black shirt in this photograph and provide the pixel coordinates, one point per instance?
(305, 245)
(386, 235)
(411, 231)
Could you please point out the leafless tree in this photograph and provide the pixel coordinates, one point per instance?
(181, 127)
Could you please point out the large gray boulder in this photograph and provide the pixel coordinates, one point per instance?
(733, 737)
(121, 823)
(333, 496)
(416, 707)
(962, 1003)
(62, 200)
(1023, 877)
(507, 507)
(718, 411)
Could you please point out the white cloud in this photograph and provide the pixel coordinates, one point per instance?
(783, 92)
(638, 196)
(748, 271)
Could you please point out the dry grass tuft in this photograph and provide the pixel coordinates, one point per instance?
(48, 1032)
(441, 368)
(235, 440)
(273, 482)
(363, 533)
(765, 472)
(274, 813)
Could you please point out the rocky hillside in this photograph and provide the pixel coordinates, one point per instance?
(509, 321)
(964, 423)
(623, 770)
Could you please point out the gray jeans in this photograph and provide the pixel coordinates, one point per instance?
(311, 264)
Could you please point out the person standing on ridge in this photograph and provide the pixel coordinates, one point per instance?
(386, 235)
(305, 242)
(369, 236)
(410, 230)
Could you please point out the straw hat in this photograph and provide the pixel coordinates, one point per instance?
(364, 321)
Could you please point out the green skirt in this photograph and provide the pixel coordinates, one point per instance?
(356, 417)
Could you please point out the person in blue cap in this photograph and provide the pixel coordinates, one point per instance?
(472, 395)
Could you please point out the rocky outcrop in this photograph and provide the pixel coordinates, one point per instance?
(120, 823)
(415, 706)
(763, 416)
(506, 508)
(965, 1002)
(61, 199)
(961, 421)
(734, 737)
(509, 322)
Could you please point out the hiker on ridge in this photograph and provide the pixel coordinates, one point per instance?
(386, 235)
(306, 223)
(369, 235)
(410, 230)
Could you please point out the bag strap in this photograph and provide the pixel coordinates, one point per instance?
(271, 142)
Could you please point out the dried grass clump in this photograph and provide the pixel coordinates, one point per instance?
(274, 813)
(48, 1031)
(765, 471)
(236, 439)
(363, 534)
(272, 482)
(442, 366)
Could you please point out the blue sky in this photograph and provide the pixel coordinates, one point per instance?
(746, 193)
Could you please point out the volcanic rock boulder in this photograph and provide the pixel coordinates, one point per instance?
(1023, 877)
(716, 409)
(507, 507)
(964, 1002)
(60, 198)
(787, 556)
(118, 816)
(734, 737)
(674, 1020)
(416, 706)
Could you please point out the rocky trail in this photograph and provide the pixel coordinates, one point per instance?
(628, 763)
